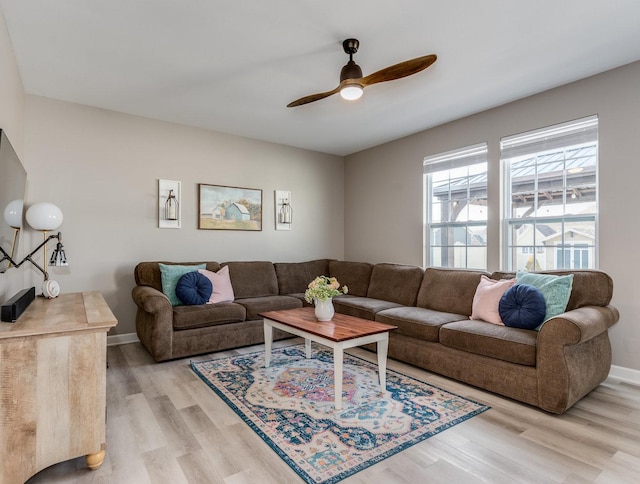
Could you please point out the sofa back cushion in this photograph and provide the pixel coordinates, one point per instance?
(354, 275)
(294, 277)
(148, 273)
(395, 283)
(589, 287)
(449, 290)
(253, 278)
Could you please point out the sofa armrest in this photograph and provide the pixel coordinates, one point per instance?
(573, 355)
(150, 299)
(154, 321)
(578, 325)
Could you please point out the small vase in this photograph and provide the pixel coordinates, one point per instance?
(324, 310)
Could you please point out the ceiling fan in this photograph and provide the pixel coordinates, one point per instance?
(352, 83)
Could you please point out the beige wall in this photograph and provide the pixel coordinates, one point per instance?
(11, 121)
(383, 185)
(102, 169)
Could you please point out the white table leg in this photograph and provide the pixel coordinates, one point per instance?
(382, 347)
(307, 348)
(337, 376)
(268, 339)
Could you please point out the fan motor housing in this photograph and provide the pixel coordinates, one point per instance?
(350, 71)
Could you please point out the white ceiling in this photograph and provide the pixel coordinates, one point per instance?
(233, 66)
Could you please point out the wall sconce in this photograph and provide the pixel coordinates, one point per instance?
(169, 214)
(50, 288)
(283, 209)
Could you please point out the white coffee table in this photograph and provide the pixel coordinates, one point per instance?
(340, 333)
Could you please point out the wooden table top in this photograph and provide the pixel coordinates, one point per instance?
(78, 311)
(341, 328)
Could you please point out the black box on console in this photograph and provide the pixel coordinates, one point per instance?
(14, 307)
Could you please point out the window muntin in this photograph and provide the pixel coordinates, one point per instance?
(551, 197)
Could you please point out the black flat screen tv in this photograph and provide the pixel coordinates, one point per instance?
(13, 183)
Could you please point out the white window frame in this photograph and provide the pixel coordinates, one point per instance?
(458, 158)
(566, 136)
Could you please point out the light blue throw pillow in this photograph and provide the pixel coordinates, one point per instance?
(555, 289)
(170, 275)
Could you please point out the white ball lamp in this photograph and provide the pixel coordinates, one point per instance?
(13, 213)
(44, 216)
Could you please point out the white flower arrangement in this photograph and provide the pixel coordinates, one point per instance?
(323, 288)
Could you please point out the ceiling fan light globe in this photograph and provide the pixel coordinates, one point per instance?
(351, 92)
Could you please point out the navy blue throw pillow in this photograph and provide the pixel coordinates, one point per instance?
(522, 306)
(194, 288)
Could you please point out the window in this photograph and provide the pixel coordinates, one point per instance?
(551, 201)
(455, 208)
(573, 257)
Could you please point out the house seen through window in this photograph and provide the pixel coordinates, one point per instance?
(551, 201)
(455, 187)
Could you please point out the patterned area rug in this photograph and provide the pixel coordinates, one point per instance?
(291, 406)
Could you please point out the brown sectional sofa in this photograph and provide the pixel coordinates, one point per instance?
(551, 368)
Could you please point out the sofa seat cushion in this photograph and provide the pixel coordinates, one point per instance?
(479, 337)
(361, 307)
(190, 317)
(256, 305)
(417, 323)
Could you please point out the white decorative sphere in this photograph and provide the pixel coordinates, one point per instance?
(13, 213)
(44, 216)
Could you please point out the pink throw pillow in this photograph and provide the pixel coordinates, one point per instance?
(222, 290)
(487, 298)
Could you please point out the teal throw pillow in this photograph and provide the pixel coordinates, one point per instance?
(555, 289)
(170, 275)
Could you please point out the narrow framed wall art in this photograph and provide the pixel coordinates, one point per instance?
(169, 204)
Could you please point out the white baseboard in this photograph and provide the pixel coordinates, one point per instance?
(626, 375)
(122, 339)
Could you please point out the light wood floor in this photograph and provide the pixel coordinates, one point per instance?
(164, 425)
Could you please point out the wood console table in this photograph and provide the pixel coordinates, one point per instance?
(53, 384)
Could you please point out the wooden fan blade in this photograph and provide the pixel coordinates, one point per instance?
(312, 98)
(398, 71)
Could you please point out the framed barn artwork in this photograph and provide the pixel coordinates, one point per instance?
(229, 208)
